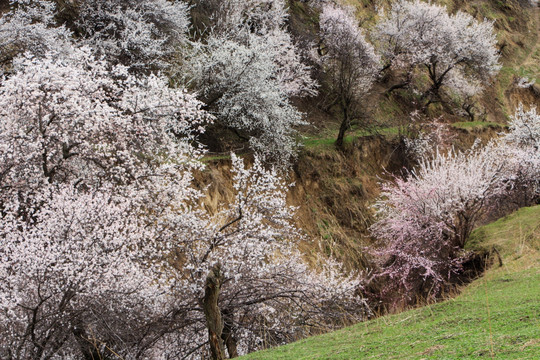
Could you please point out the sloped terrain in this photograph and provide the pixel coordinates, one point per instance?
(497, 316)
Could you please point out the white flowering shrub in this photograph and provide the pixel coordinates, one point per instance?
(30, 26)
(244, 87)
(247, 70)
(142, 35)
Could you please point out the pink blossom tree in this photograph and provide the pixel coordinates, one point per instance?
(426, 219)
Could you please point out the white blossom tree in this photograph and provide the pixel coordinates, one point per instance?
(267, 19)
(524, 128)
(348, 60)
(106, 249)
(266, 294)
(247, 69)
(520, 146)
(426, 137)
(30, 26)
(259, 16)
(143, 35)
(71, 282)
(240, 85)
(83, 160)
(417, 35)
(41, 145)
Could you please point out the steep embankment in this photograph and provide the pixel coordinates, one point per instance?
(335, 188)
(527, 67)
(496, 316)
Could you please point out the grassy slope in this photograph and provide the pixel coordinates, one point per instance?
(497, 316)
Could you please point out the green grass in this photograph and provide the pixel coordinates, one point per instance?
(476, 124)
(328, 139)
(516, 237)
(497, 316)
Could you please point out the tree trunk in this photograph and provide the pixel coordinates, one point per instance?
(345, 125)
(227, 334)
(88, 348)
(469, 109)
(395, 87)
(214, 322)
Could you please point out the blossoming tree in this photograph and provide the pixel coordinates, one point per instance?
(106, 249)
(247, 70)
(348, 60)
(420, 36)
(426, 218)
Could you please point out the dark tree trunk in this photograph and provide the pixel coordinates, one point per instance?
(395, 87)
(469, 109)
(345, 125)
(214, 322)
(88, 349)
(227, 334)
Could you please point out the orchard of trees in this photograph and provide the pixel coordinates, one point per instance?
(106, 247)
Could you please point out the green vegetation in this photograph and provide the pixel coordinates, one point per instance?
(516, 237)
(328, 139)
(477, 124)
(497, 316)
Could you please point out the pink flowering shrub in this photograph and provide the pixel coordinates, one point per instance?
(425, 219)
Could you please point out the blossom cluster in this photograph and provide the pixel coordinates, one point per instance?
(458, 51)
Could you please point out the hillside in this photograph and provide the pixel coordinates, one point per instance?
(202, 179)
(497, 316)
(334, 188)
